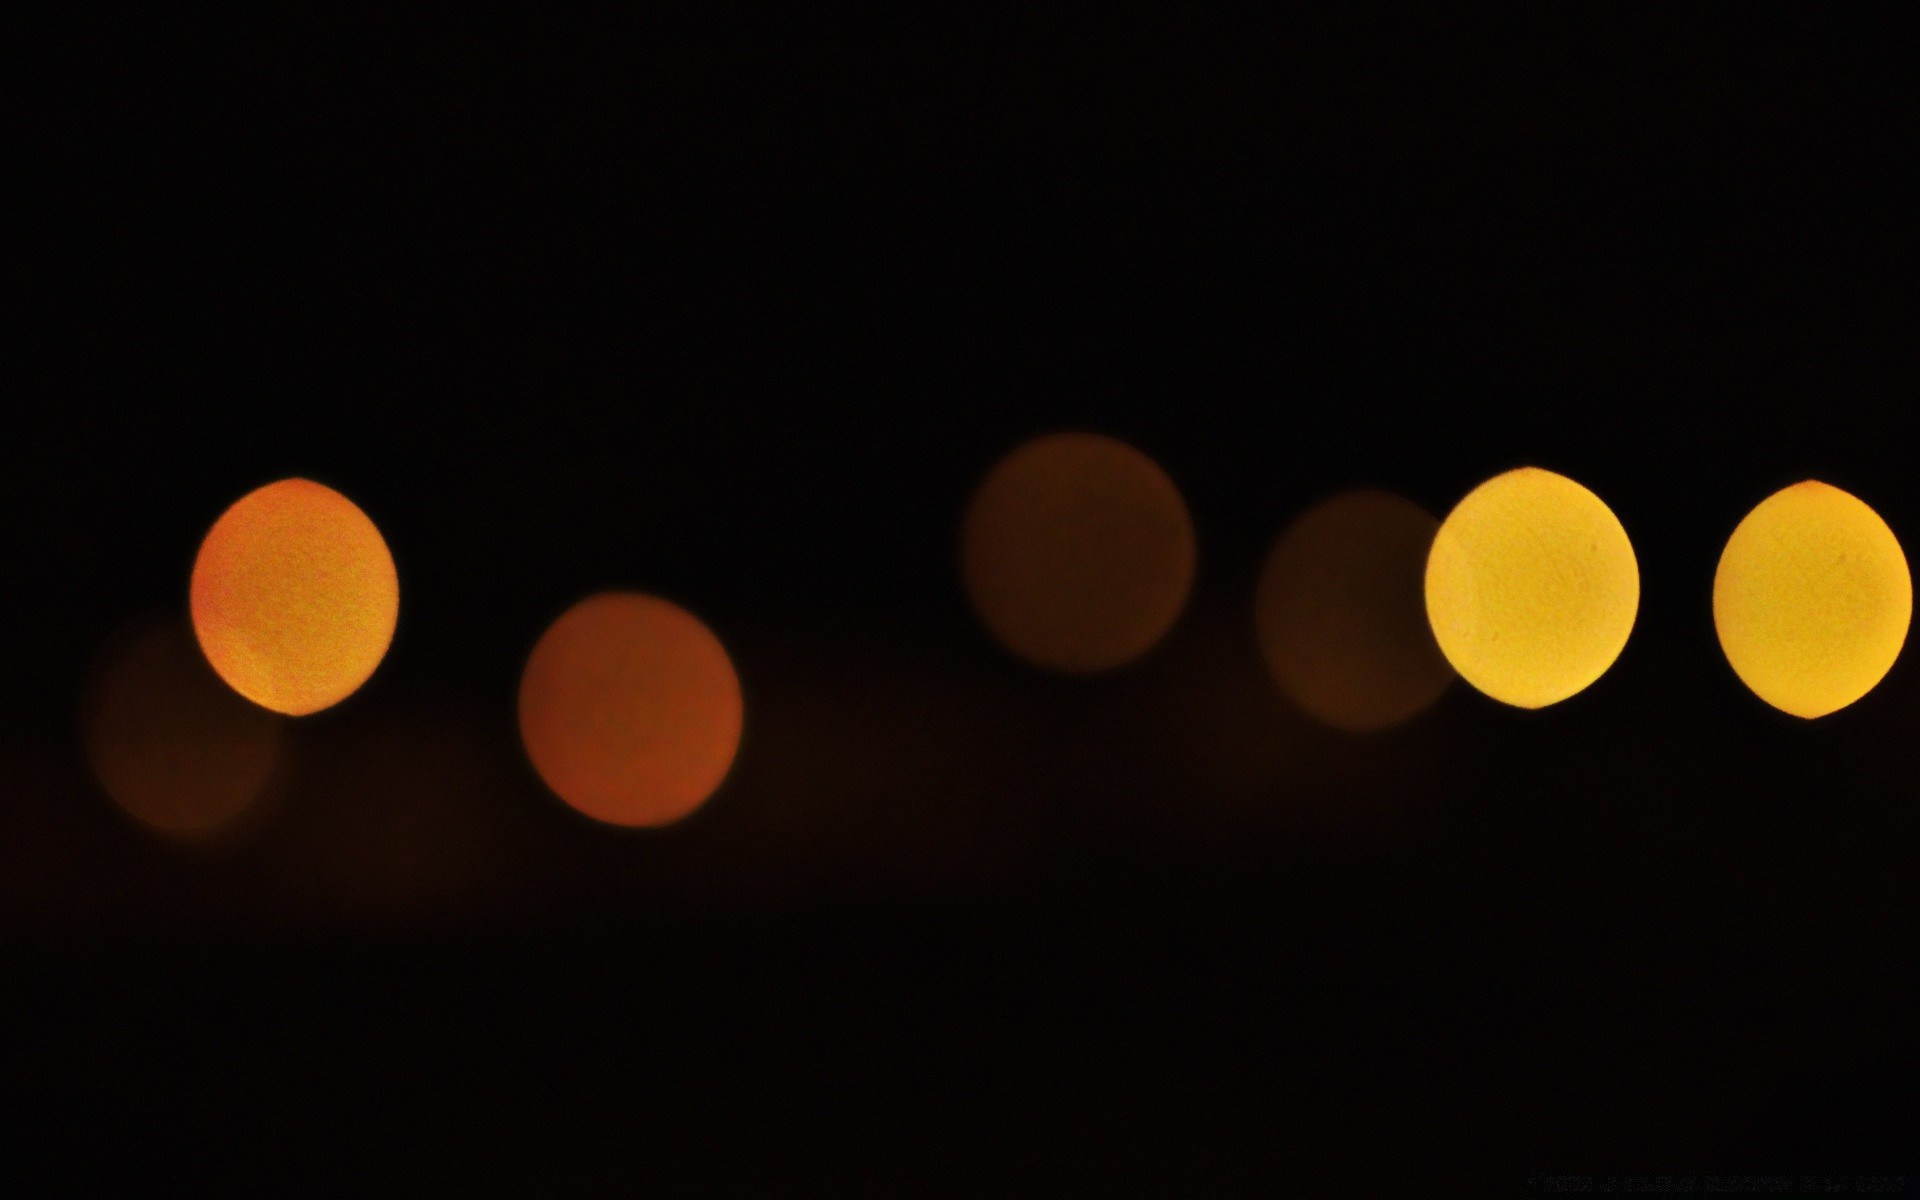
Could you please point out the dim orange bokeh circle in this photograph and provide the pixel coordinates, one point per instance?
(1077, 552)
(630, 709)
(170, 743)
(1341, 612)
(294, 597)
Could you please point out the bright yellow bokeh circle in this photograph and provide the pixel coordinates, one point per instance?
(1812, 599)
(1532, 587)
(294, 597)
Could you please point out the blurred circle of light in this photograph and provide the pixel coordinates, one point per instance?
(294, 597)
(1812, 599)
(1077, 552)
(1341, 615)
(170, 743)
(1532, 587)
(630, 709)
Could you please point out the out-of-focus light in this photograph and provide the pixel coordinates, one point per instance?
(1341, 614)
(1812, 599)
(630, 709)
(1532, 587)
(1077, 552)
(294, 597)
(169, 742)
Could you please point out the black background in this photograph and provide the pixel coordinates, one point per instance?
(739, 313)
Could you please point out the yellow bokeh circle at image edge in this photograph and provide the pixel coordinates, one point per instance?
(1812, 599)
(1531, 587)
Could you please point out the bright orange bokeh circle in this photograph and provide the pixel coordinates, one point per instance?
(294, 597)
